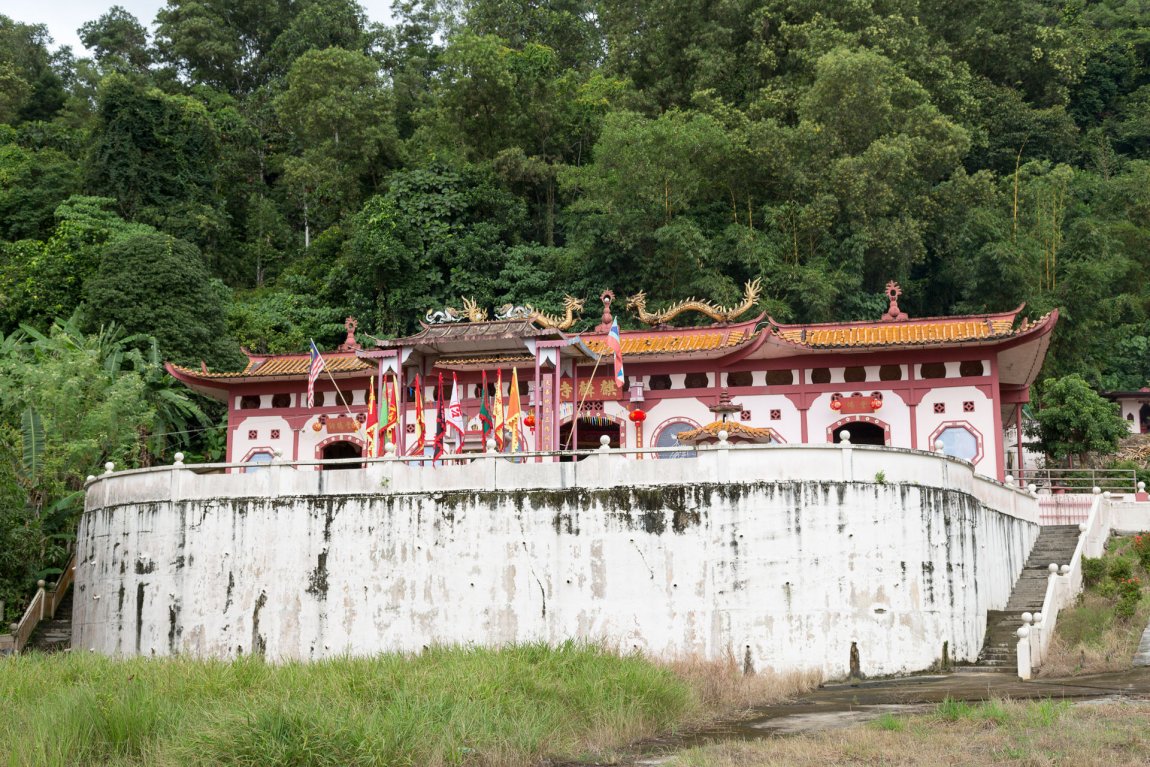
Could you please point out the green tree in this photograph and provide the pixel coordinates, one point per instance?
(119, 41)
(157, 156)
(1073, 420)
(43, 280)
(155, 285)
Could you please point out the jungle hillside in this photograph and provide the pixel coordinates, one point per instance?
(248, 173)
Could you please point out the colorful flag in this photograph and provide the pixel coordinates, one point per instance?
(485, 421)
(615, 344)
(314, 368)
(455, 415)
(372, 424)
(514, 410)
(497, 416)
(392, 410)
(420, 426)
(440, 422)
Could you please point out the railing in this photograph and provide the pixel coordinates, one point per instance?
(1062, 587)
(1061, 481)
(1064, 509)
(603, 468)
(42, 607)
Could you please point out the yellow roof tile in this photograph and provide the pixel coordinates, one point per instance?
(895, 333)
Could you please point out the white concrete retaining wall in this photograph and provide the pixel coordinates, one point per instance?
(783, 555)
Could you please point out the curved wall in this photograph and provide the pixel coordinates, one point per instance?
(671, 557)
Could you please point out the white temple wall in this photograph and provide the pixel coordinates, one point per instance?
(272, 433)
(893, 412)
(980, 420)
(774, 554)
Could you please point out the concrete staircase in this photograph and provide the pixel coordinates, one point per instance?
(1056, 543)
(55, 634)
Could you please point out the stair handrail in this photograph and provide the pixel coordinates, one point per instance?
(42, 606)
(1065, 580)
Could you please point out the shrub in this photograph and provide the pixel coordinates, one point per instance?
(1129, 595)
(1141, 548)
(1121, 569)
(1093, 571)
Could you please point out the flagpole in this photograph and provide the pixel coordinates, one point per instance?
(579, 409)
(346, 407)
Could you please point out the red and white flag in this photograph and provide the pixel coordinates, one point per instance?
(455, 415)
(314, 368)
(615, 344)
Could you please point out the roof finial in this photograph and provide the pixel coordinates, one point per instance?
(349, 343)
(607, 296)
(893, 314)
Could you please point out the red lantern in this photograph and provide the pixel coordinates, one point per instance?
(637, 416)
(875, 403)
(529, 421)
(836, 404)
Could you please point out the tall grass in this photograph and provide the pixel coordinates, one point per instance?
(1092, 636)
(445, 706)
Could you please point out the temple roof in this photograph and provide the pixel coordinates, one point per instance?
(488, 339)
(705, 342)
(928, 330)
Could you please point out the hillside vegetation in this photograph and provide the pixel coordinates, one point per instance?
(251, 172)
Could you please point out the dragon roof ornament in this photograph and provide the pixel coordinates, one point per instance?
(721, 314)
(471, 312)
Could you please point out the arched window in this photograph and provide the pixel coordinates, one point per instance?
(669, 437)
(257, 461)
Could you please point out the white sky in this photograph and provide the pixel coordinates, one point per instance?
(64, 17)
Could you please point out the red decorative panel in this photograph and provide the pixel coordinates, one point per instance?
(342, 425)
(940, 407)
(253, 434)
(776, 415)
(745, 415)
(275, 433)
(968, 407)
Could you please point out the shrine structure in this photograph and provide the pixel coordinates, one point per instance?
(938, 383)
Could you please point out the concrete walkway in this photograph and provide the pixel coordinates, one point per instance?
(846, 704)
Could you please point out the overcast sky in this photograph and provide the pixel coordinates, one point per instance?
(64, 17)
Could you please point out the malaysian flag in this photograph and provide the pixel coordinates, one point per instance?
(615, 344)
(314, 368)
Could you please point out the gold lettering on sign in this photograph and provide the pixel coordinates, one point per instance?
(608, 387)
(342, 425)
(565, 390)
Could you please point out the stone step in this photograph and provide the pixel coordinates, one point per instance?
(1056, 543)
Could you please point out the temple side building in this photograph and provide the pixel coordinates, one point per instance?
(938, 383)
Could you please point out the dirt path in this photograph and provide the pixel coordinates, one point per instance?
(847, 704)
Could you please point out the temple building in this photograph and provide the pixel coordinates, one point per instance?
(939, 383)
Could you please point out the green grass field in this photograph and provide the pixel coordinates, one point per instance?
(448, 706)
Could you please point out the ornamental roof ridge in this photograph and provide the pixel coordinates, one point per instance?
(962, 329)
(993, 316)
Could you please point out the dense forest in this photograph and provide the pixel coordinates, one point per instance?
(250, 172)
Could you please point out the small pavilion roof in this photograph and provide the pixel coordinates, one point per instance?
(736, 431)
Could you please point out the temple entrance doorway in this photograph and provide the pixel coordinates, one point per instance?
(338, 450)
(862, 433)
(590, 430)
(1144, 419)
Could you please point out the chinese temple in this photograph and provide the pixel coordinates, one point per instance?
(938, 383)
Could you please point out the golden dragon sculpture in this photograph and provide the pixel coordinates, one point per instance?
(573, 306)
(751, 294)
